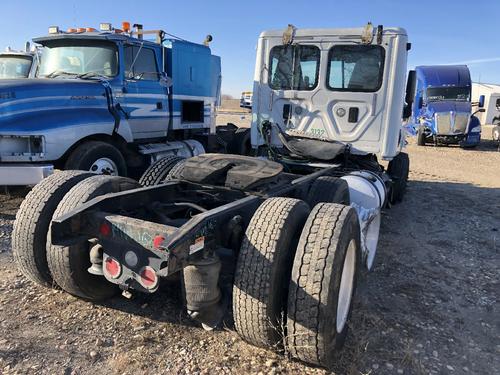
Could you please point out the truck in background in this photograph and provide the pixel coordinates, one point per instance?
(491, 116)
(442, 107)
(18, 64)
(246, 99)
(108, 101)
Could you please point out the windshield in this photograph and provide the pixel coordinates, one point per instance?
(15, 66)
(78, 59)
(435, 94)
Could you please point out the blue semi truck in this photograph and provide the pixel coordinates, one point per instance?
(108, 101)
(441, 111)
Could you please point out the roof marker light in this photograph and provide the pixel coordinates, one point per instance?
(126, 26)
(90, 29)
(71, 30)
(105, 27)
(54, 30)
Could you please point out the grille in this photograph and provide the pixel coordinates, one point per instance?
(461, 121)
(451, 123)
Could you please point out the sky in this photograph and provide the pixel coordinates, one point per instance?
(441, 31)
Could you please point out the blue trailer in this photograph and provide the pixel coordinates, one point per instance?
(441, 111)
(109, 101)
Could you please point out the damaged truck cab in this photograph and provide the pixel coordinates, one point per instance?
(333, 85)
(107, 101)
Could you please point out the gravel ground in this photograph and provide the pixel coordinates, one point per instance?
(430, 306)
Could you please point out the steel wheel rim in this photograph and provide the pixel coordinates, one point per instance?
(104, 166)
(346, 287)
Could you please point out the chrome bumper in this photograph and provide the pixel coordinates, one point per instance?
(24, 174)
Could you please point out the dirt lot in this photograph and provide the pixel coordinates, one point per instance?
(430, 306)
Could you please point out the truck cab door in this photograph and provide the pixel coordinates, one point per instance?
(303, 96)
(145, 98)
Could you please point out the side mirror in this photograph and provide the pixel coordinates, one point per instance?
(165, 81)
(411, 85)
(481, 101)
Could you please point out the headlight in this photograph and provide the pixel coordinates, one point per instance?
(20, 145)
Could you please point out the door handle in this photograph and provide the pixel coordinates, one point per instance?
(353, 114)
(287, 112)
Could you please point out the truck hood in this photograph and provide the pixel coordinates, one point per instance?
(447, 106)
(25, 103)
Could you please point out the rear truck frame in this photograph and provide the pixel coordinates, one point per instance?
(282, 236)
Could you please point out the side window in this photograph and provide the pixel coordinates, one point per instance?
(294, 67)
(498, 104)
(355, 68)
(140, 63)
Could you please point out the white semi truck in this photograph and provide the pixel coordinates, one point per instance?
(291, 229)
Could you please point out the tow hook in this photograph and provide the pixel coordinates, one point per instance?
(96, 259)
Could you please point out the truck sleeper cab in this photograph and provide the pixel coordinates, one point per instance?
(109, 102)
(442, 106)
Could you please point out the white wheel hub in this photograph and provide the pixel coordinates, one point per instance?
(104, 166)
(346, 286)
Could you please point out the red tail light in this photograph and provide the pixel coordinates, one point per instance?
(113, 267)
(105, 229)
(149, 280)
(157, 241)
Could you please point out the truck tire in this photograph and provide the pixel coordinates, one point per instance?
(176, 171)
(263, 270)
(420, 136)
(159, 170)
(328, 189)
(69, 264)
(398, 170)
(240, 144)
(97, 157)
(323, 283)
(29, 234)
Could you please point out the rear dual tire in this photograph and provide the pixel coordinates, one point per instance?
(323, 283)
(159, 171)
(29, 235)
(69, 264)
(263, 270)
(302, 288)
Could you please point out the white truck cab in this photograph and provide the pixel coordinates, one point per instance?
(344, 85)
